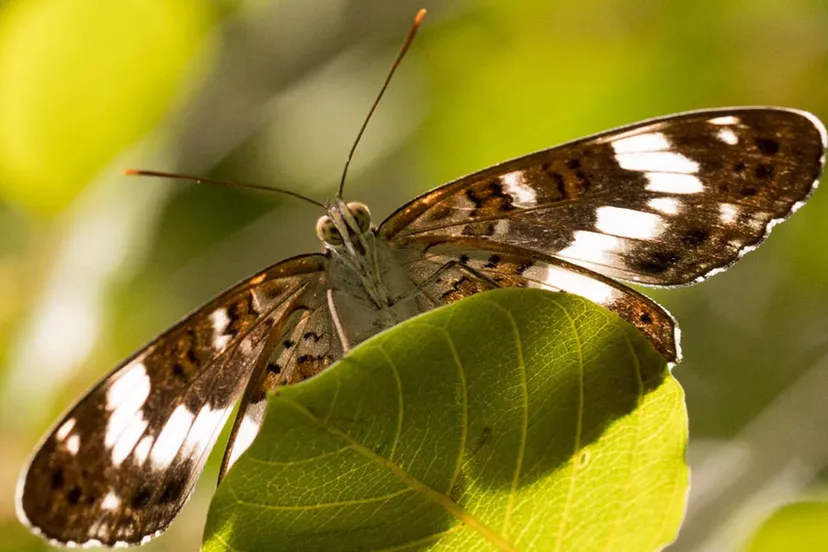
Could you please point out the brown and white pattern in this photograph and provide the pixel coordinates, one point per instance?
(664, 202)
(667, 202)
(125, 458)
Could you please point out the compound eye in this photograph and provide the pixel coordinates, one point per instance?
(361, 214)
(327, 232)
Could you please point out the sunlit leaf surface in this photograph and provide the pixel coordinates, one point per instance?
(515, 420)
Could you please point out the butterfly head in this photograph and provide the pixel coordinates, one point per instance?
(345, 224)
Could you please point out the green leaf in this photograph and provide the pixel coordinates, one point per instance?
(514, 420)
(801, 526)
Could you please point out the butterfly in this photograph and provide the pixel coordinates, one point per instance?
(665, 202)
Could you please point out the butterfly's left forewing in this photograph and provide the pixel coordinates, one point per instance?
(121, 463)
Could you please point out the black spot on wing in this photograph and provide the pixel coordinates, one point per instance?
(493, 262)
(173, 490)
(657, 262)
(764, 171)
(179, 372)
(695, 237)
(274, 368)
(311, 336)
(141, 498)
(57, 478)
(74, 496)
(767, 146)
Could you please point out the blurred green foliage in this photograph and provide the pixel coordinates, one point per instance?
(800, 526)
(93, 264)
(82, 80)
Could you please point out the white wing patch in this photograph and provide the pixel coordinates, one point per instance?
(244, 438)
(522, 194)
(124, 399)
(579, 284)
(171, 437)
(126, 441)
(72, 444)
(592, 247)
(628, 223)
(725, 120)
(727, 136)
(65, 429)
(204, 427)
(220, 321)
(142, 450)
(127, 386)
(657, 161)
(728, 213)
(111, 501)
(673, 183)
(666, 205)
(652, 141)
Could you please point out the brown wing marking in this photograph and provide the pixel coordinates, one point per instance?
(663, 202)
(302, 345)
(123, 461)
(485, 265)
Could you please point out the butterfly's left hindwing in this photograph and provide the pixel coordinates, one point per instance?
(121, 463)
(304, 343)
(664, 202)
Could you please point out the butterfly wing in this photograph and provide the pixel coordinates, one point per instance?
(478, 265)
(122, 462)
(304, 344)
(665, 202)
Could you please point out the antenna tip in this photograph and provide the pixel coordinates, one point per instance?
(419, 17)
(131, 172)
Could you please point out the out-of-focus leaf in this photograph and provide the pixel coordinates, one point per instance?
(514, 420)
(83, 79)
(802, 526)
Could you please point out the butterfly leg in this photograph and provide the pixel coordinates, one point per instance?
(337, 322)
(435, 276)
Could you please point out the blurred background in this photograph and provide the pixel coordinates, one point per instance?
(93, 264)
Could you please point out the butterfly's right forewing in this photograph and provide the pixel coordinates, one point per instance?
(122, 462)
(663, 202)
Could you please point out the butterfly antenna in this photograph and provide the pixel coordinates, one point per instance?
(408, 39)
(176, 176)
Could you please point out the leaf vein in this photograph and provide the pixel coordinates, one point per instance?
(429, 493)
(524, 426)
(400, 404)
(636, 441)
(325, 505)
(578, 423)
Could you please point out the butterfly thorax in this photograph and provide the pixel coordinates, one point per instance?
(368, 285)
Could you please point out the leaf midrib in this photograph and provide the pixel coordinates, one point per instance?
(429, 493)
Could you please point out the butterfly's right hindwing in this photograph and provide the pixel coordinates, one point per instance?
(122, 462)
(471, 265)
